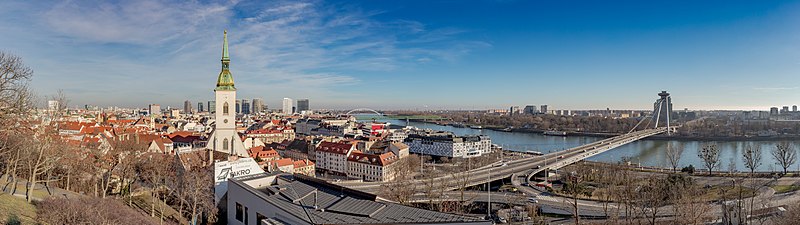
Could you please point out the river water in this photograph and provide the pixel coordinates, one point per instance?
(645, 152)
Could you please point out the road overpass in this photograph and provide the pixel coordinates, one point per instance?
(527, 166)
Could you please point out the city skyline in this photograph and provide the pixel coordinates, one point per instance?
(737, 55)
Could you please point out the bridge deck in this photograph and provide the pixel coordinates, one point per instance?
(528, 166)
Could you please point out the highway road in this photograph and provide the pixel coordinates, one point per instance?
(527, 166)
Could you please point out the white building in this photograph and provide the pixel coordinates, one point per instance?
(372, 167)
(288, 106)
(225, 139)
(449, 145)
(52, 105)
(332, 156)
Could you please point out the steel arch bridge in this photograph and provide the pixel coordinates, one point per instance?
(364, 110)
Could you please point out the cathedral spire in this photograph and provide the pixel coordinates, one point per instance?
(225, 46)
(225, 79)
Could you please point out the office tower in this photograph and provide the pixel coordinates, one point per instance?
(287, 106)
(245, 106)
(785, 109)
(529, 109)
(258, 105)
(52, 105)
(154, 109)
(794, 108)
(238, 106)
(773, 111)
(513, 110)
(212, 108)
(543, 109)
(187, 107)
(200, 107)
(302, 105)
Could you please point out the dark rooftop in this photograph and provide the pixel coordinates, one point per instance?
(318, 202)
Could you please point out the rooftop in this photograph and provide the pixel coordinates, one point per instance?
(318, 202)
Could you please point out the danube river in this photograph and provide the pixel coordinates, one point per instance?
(647, 152)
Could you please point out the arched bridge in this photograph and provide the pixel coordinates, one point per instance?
(364, 110)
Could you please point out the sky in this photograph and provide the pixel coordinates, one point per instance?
(432, 54)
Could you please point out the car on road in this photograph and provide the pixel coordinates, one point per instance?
(561, 157)
(538, 166)
(533, 200)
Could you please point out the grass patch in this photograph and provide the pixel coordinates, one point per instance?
(779, 189)
(728, 192)
(144, 204)
(16, 209)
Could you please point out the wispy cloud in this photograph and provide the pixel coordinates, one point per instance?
(161, 48)
(775, 88)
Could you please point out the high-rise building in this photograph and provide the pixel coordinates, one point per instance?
(200, 107)
(529, 109)
(52, 105)
(302, 105)
(773, 111)
(245, 106)
(794, 108)
(258, 105)
(662, 109)
(513, 110)
(785, 109)
(225, 139)
(187, 107)
(543, 109)
(154, 109)
(212, 108)
(287, 106)
(238, 106)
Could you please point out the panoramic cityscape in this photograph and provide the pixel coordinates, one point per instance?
(412, 112)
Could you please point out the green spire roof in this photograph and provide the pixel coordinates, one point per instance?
(225, 45)
(225, 79)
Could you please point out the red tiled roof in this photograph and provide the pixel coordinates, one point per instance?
(283, 162)
(302, 163)
(263, 131)
(334, 147)
(373, 159)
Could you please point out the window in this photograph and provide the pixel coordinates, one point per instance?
(225, 109)
(245, 215)
(225, 144)
(260, 217)
(239, 212)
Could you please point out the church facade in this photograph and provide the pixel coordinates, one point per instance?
(224, 138)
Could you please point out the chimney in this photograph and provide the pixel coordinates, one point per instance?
(315, 200)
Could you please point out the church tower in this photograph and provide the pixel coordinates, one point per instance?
(225, 139)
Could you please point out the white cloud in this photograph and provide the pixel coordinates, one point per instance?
(279, 48)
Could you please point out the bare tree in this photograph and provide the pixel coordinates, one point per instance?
(674, 155)
(574, 187)
(691, 206)
(710, 156)
(199, 193)
(784, 155)
(752, 160)
(15, 96)
(40, 157)
(752, 157)
(401, 188)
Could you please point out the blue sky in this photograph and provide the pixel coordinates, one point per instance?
(414, 54)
